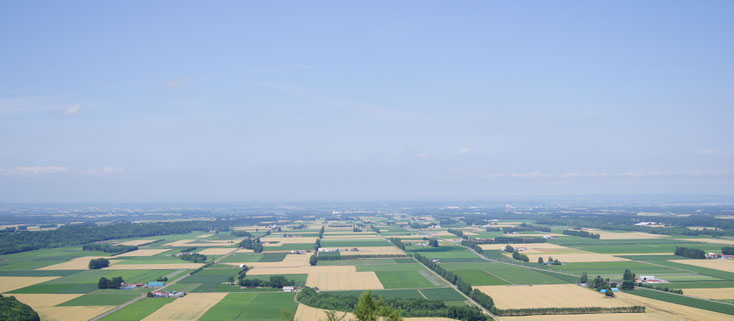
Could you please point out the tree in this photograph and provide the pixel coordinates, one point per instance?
(103, 283)
(540, 260)
(12, 309)
(609, 292)
(331, 315)
(286, 315)
(509, 249)
(628, 280)
(313, 259)
(584, 278)
(95, 264)
(433, 242)
(369, 309)
(116, 282)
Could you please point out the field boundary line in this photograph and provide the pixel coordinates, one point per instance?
(490, 273)
(423, 295)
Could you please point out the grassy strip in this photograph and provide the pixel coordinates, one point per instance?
(684, 300)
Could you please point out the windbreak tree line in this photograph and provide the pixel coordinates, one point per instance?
(79, 234)
(12, 309)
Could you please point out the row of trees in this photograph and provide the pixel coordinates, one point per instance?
(105, 283)
(241, 274)
(109, 248)
(370, 307)
(520, 256)
(79, 234)
(462, 285)
(457, 232)
(95, 264)
(252, 244)
(275, 281)
(690, 252)
(727, 250)
(581, 234)
(398, 243)
(375, 229)
(576, 310)
(193, 257)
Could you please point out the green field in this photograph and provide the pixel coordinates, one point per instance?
(479, 277)
(442, 252)
(300, 279)
(268, 306)
(443, 294)
(387, 294)
(138, 310)
(209, 278)
(272, 257)
(230, 307)
(290, 247)
(242, 258)
(684, 300)
(403, 279)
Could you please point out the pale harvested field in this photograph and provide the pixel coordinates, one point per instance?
(671, 311)
(290, 261)
(44, 300)
(168, 266)
(146, 252)
(721, 265)
(136, 242)
(204, 236)
(307, 313)
(587, 317)
(334, 281)
(190, 307)
(10, 283)
(441, 233)
(80, 263)
(217, 251)
(535, 234)
(289, 240)
(606, 235)
(716, 293)
(536, 248)
(714, 241)
(470, 233)
(699, 228)
(245, 251)
(77, 313)
(303, 270)
(374, 250)
(546, 296)
(254, 228)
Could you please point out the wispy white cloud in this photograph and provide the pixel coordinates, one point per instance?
(177, 83)
(422, 155)
(706, 152)
(103, 171)
(69, 111)
(528, 174)
(570, 174)
(463, 150)
(36, 170)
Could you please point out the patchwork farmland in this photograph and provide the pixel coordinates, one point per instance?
(301, 269)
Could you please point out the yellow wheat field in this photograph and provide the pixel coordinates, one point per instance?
(374, 250)
(716, 293)
(290, 261)
(546, 296)
(301, 270)
(44, 300)
(718, 264)
(136, 242)
(335, 281)
(671, 311)
(533, 248)
(203, 236)
(146, 252)
(167, 266)
(10, 283)
(75, 313)
(245, 251)
(190, 307)
(577, 257)
(354, 236)
(218, 251)
(80, 263)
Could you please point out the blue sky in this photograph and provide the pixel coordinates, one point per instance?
(411, 100)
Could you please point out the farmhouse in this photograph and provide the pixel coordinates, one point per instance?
(288, 289)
